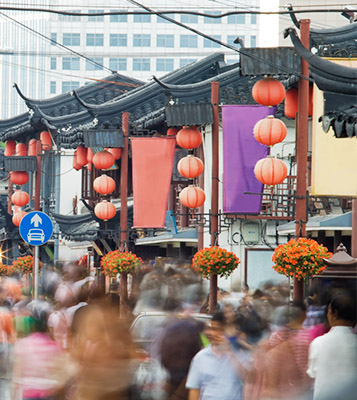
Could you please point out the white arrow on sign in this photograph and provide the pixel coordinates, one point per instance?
(36, 220)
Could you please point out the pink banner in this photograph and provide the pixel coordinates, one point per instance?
(153, 160)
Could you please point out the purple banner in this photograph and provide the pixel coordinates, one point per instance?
(240, 153)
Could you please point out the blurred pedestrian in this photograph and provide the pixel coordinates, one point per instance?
(37, 360)
(333, 356)
(214, 372)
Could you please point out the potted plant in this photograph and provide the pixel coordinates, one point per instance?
(214, 261)
(115, 262)
(300, 257)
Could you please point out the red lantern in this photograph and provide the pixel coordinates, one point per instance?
(104, 184)
(89, 155)
(172, 131)
(103, 160)
(21, 149)
(268, 92)
(76, 165)
(270, 131)
(189, 137)
(46, 140)
(291, 102)
(20, 198)
(16, 218)
(19, 177)
(270, 171)
(81, 156)
(32, 148)
(115, 151)
(105, 210)
(10, 148)
(192, 197)
(190, 167)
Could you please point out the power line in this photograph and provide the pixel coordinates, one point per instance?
(55, 42)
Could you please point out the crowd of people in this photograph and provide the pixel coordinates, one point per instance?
(258, 345)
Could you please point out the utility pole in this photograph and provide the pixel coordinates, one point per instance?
(215, 187)
(302, 132)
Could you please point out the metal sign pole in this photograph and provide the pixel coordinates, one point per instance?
(37, 252)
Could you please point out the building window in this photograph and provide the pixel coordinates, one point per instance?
(164, 64)
(94, 17)
(117, 39)
(236, 19)
(70, 63)
(186, 61)
(210, 43)
(90, 66)
(161, 20)
(68, 86)
(95, 39)
(118, 17)
(53, 38)
(165, 40)
(253, 19)
(72, 39)
(253, 41)
(53, 87)
(117, 64)
(232, 38)
(141, 64)
(141, 40)
(208, 20)
(188, 41)
(188, 19)
(71, 18)
(53, 62)
(142, 18)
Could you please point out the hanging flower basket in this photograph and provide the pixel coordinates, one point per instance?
(302, 257)
(3, 270)
(214, 261)
(119, 261)
(24, 264)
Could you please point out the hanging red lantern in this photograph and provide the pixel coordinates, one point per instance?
(20, 198)
(46, 140)
(270, 131)
(189, 137)
(291, 103)
(10, 148)
(82, 156)
(192, 197)
(292, 100)
(89, 155)
(21, 149)
(19, 177)
(268, 92)
(76, 165)
(115, 151)
(32, 148)
(270, 171)
(190, 167)
(17, 217)
(104, 184)
(103, 160)
(105, 210)
(172, 131)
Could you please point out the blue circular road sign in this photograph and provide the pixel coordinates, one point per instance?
(36, 228)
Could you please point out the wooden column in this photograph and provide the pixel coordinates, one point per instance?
(124, 211)
(301, 152)
(214, 195)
